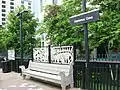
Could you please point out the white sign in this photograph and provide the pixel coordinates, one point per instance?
(11, 54)
(86, 17)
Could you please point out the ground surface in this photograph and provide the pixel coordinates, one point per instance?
(13, 81)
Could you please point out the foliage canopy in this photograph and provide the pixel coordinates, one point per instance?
(29, 24)
(56, 23)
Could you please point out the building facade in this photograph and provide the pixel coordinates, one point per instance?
(7, 6)
(38, 7)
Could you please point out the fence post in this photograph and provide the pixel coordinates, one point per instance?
(32, 53)
(49, 53)
(74, 52)
(83, 86)
(15, 67)
(74, 58)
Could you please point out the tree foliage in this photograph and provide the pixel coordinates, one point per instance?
(108, 29)
(28, 27)
(4, 38)
(56, 23)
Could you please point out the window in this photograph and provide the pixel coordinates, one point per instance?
(11, 11)
(3, 2)
(11, 7)
(3, 23)
(11, 3)
(42, 44)
(22, 2)
(22, 5)
(3, 19)
(29, 3)
(42, 36)
(29, 7)
(41, 5)
(3, 6)
(3, 15)
(54, 1)
(3, 10)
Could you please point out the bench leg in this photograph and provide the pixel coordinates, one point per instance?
(71, 85)
(24, 76)
(63, 87)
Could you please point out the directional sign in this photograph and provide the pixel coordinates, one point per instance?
(86, 17)
(11, 54)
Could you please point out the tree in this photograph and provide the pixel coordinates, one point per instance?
(108, 29)
(29, 27)
(4, 38)
(56, 23)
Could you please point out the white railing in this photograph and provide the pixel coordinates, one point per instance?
(40, 54)
(59, 55)
(62, 54)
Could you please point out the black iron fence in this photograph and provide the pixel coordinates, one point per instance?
(104, 70)
(103, 75)
(79, 74)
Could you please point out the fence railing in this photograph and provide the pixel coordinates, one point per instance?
(100, 59)
(56, 55)
(103, 76)
(104, 70)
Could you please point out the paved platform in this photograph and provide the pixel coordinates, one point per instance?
(13, 81)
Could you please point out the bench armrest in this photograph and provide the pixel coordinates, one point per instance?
(61, 73)
(22, 67)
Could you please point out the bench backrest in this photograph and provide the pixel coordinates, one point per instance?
(49, 68)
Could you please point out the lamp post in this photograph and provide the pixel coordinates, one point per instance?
(21, 34)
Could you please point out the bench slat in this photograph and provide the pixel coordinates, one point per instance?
(43, 74)
(49, 68)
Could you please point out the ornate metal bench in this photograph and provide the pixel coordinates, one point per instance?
(56, 73)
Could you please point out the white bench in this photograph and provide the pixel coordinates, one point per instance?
(56, 73)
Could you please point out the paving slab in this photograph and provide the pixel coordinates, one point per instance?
(13, 81)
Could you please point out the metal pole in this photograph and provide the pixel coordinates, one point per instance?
(86, 46)
(49, 53)
(21, 39)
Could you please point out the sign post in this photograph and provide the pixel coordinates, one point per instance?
(85, 18)
(86, 46)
